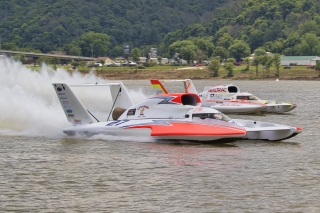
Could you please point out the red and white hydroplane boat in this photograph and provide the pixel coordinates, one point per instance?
(167, 116)
(227, 98)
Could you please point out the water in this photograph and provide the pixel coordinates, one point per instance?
(42, 170)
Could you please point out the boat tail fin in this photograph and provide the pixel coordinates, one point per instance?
(187, 83)
(158, 85)
(190, 88)
(74, 110)
(120, 95)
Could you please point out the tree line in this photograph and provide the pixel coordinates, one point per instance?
(197, 30)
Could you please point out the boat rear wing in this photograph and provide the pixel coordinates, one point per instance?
(76, 112)
(187, 83)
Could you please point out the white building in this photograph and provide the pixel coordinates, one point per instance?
(299, 60)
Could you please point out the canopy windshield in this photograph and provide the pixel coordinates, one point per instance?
(218, 116)
(247, 97)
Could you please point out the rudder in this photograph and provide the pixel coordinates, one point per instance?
(74, 110)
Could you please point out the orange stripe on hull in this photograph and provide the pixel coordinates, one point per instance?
(182, 129)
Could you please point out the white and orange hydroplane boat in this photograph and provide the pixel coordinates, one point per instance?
(227, 98)
(176, 116)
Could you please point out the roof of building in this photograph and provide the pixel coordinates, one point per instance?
(284, 58)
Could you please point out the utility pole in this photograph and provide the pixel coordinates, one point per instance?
(0, 42)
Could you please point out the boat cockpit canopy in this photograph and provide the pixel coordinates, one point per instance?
(218, 116)
(247, 97)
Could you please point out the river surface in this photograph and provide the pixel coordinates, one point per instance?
(43, 170)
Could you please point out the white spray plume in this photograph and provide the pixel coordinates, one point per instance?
(29, 105)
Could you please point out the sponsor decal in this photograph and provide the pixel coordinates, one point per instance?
(65, 102)
(217, 90)
(217, 97)
(63, 97)
(230, 104)
(69, 111)
(59, 89)
(144, 106)
(142, 109)
(117, 123)
(168, 100)
(71, 115)
(198, 109)
(76, 121)
(61, 93)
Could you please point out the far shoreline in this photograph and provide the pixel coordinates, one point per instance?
(200, 74)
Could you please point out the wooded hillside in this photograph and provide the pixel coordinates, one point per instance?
(39, 24)
(289, 27)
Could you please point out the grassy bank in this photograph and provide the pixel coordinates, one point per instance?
(182, 72)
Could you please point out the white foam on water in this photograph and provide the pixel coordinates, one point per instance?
(30, 107)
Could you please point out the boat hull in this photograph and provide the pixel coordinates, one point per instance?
(279, 107)
(257, 130)
(163, 129)
(238, 108)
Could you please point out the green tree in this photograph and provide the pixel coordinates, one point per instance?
(75, 64)
(135, 54)
(259, 51)
(256, 62)
(206, 46)
(215, 66)
(188, 52)
(225, 41)
(317, 68)
(186, 48)
(72, 49)
(247, 61)
(54, 61)
(268, 65)
(116, 51)
(239, 49)
(196, 30)
(310, 45)
(308, 27)
(102, 62)
(229, 67)
(263, 61)
(277, 46)
(43, 60)
(9, 46)
(277, 63)
(94, 44)
(20, 57)
(82, 64)
(159, 58)
(178, 45)
(222, 52)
